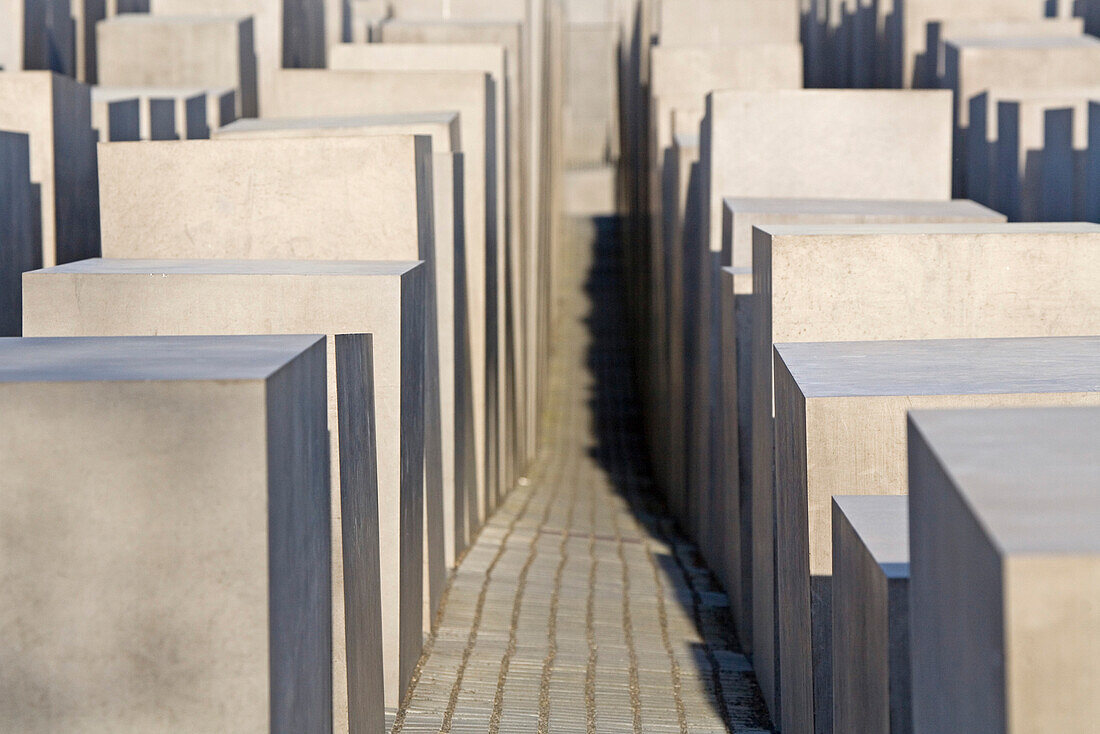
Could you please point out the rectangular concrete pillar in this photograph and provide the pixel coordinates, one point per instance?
(122, 114)
(859, 283)
(496, 61)
(871, 680)
(727, 22)
(975, 65)
(840, 430)
(285, 34)
(308, 93)
(1002, 518)
(56, 113)
(139, 50)
(906, 28)
(167, 568)
(20, 236)
(733, 390)
(384, 299)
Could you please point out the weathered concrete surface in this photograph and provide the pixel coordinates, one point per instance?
(842, 432)
(170, 567)
(726, 22)
(384, 299)
(871, 679)
(1003, 511)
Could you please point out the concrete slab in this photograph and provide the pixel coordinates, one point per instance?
(905, 28)
(284, 35)
(727, 22)
(859, 283)
(494, 60)
(384, 299)
(149, 113)
(975, 65)
(1004, 557)
(55, 112)
(214, 51)
(20, 234)
(733, 390)
(840, 430)
(309, 93)
(871, 679)
(219, 566)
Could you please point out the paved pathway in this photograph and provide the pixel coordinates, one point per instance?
(578, 609)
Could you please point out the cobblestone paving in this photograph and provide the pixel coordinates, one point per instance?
(578, 609)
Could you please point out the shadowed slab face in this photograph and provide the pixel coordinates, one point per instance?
(165, 534)
(871, 678)
(384, 299)
(1004, 568)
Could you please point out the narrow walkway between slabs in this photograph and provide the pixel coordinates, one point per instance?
(579, 609)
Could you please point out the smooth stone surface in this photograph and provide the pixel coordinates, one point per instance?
(309, 93)
(162, 576)
(214, 51)
(384, 299)
(871, 679)
(859, 283)
(55, 111)
(20, 236)
(1003, 517)
(842, 432)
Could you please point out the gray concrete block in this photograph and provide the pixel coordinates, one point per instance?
(840, 430)
(122, 114)
(55, 112)
(169, 568)
(20, 233)
(1002, 525)
(859, 283)
(871, 679)
(726, 22)
(214, 51)
(308, 93)
(285, 34)
(384, 299)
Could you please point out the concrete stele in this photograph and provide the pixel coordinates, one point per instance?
(859, 283)
(164, 575)
(840, 430)
(1002, 525)
(871, 679)
(384, 299)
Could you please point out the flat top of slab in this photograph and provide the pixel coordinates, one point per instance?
(1030, 476)
(111, 266)
(305, 123)
(737, 271)
(151, 19)
(944, 366)
(870, 207)
(465, 22)
(919, 228)
(1025, 42)
(882, 524)
(121, 359)
(110, 94)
